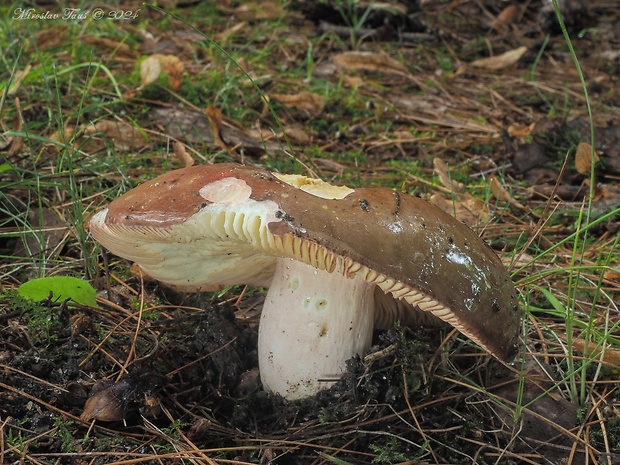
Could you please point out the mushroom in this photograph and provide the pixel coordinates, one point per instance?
(338, 262)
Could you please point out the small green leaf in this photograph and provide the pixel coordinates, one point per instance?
(61, 287)
(5, 167)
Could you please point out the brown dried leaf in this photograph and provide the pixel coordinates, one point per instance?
(352, 81)
(14, 144)
(51, 232)
(215, 121)
(612, 275)
(223, 36)
(65, 135)
(546, 414)
(174, 68)
(116, 48)
(442, 172)
(611, 355)
(49, 38)
(297, 133)
(18, 77)
(182, 155)
(269, 9)
(193, 126)
(506, 17)
(501, 194)
(583, 158)
(304, 100)
(370, 61)
(501, 61)
(124, 136)
(468, 209)
(520, 130)
(498, 191)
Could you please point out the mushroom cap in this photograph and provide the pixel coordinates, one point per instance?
(228, 212)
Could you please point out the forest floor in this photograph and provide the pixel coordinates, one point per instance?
(477, 106)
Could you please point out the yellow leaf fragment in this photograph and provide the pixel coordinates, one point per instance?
(520, 130)
(174, 68)
(150, 69)
(154, 65)
(501, 61)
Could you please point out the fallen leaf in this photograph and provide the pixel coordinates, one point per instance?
(501, 61)
(506, 17)
(193, 126)
(215, 121)
(60, 288)
(304, 100)
(545, 413)
(182, 155)
(502, 194)
(370, 61)
(468, 209)
(442, 172)
(116, 48)
(353, 82)
(583, 158)
(498, 191)
(299, 134)
(154, 65)
(18, 77)
(174, 68)
(51, 230)
(150, 69)
(612, 275)
(223, 36)
(49, 38)
(124, 136)
(13, 145)
(520, 130)
(611, 355)
(269, 9)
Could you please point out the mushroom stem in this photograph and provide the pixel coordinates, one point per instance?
(328, 319)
